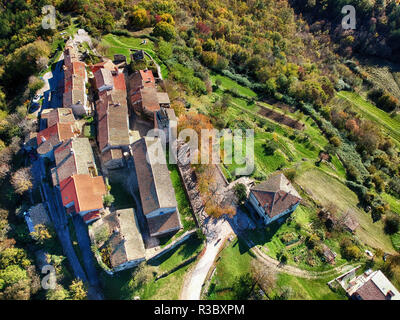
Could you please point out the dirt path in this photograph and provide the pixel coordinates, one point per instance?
(217, 231)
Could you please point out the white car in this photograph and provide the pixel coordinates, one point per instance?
(36, 99)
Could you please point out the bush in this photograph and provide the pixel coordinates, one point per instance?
(349, 250)
(240, 192)
(108, 199)
(392, 224)
(165, 30)
(312, 241)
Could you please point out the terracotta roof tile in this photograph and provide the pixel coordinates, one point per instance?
(84, 190)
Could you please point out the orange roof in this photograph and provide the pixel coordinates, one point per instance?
(147, 76)
(119, 82)
(63, 131)
(84, 190)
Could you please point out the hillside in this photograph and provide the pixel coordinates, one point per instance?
(323, 103)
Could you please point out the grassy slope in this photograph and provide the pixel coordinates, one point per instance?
(327, 189)
(390, 125)
(123, 44)
(291, 151)
(235, 260)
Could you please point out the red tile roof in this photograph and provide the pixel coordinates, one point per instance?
(91, 216)
(119, 82)
(84, 190)
(164, 223)
(370, 291)
(62, 131)
(141, 79)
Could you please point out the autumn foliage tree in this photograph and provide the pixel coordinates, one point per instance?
(21, 180)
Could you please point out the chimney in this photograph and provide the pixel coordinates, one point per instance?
(389, 295)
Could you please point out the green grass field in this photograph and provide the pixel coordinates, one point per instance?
(227, 83)
(305, 289)
(234, 262)
(184, 207)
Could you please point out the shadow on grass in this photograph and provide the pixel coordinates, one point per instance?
(187, 249)
(259, 236)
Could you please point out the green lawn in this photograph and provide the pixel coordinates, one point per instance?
(393, 202)
(233, 262)
(227, 83)
(122, 45)
(305, 289)
(184, 207)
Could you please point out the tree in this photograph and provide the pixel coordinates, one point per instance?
(349, 250)
(22, 180)
(108, 199)
(392, 224)
(138, 19)
(243, 286)
(209, 58)
(143, 274)
(77, 290)
(14, 256)
(164, 50)
(240, 192)
(4, 170)
(264, 276)
(41, 234)
(59, 293)
(165, 30)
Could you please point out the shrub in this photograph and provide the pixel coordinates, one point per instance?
(240, 192)
(108, 199)
(392, 224)
(312, 241)
(165, 30)
(349, 250)
(335, 140)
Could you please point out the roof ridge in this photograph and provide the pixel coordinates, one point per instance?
(152, 171)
